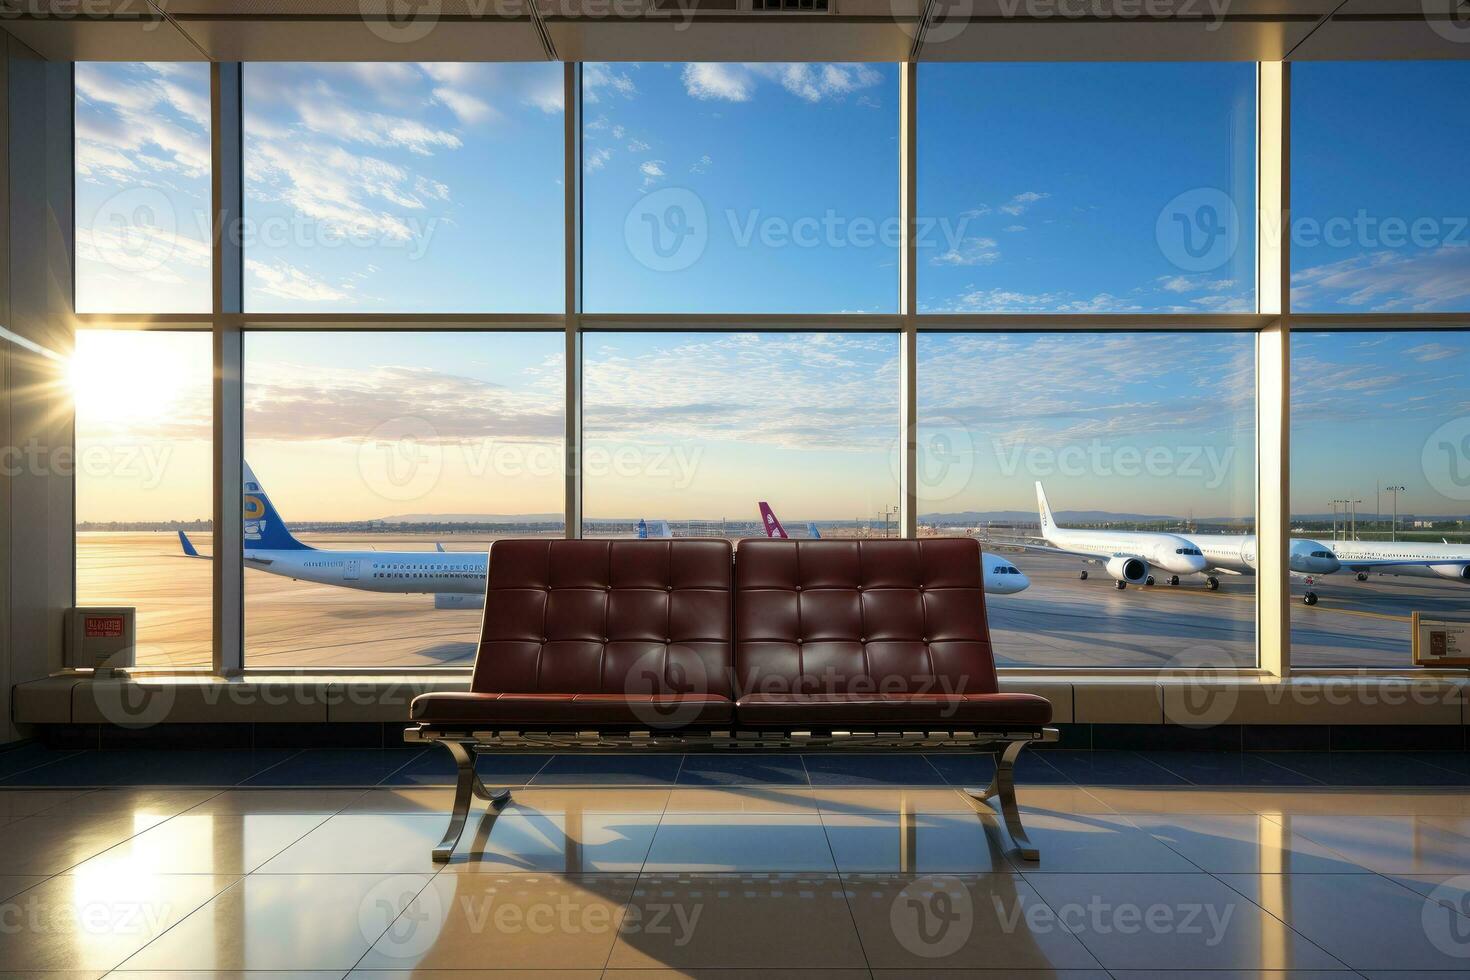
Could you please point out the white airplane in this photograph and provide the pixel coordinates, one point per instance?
(456, 579)
(999, 575)
(1421, 560)
(1183, 554)
(1129, 556)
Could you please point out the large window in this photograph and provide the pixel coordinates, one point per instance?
(1375, 225)
(143, 478)
(732, 188)
(142, 188)
(403, 187)
(1144, 445)
(686, 434)
(1380, 476)
(379, 469)
(1087, 188)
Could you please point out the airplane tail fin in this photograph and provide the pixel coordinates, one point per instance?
(439, 547)
(811, 529)
(1048, 523)
(773, 526)
(264, 528)
(189, 550)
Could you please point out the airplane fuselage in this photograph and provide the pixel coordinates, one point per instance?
(1430, 559)
(444, 573)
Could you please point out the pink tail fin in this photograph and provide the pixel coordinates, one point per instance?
(773, 526)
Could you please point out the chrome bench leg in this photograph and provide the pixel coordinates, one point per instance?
(467, 785)
(1003, 787)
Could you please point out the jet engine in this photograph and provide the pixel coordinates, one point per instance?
(1460, 572)
(1131, 570)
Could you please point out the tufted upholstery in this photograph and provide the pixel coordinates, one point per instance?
(601, 632)
(851, 632)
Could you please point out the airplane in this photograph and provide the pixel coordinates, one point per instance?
(999, 575)
(1421, 560)
(1181, 554)
(456, 579)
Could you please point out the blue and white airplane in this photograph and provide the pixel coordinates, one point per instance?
(456, 579)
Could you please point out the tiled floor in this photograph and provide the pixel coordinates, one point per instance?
(317, 864)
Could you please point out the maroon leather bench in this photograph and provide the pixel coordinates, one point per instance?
(661, 646)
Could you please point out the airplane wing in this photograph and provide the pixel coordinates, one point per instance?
(1047, 548)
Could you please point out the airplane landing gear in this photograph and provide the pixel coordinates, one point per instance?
(1121, 585)
(1362, 576)
(1213, 583)
(1083, 576)
(1310, 598)
(1173, 579)
(1149, 580)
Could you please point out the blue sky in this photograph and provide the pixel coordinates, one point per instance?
(1126, 422)
(1370, 409)
(1382, 210)
(1058, 175)
(1057, 188)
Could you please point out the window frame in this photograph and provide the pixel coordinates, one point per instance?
(1271, 323)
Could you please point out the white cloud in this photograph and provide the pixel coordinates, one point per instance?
(285, 281)
(652, 170)
(1437, 279)
(701, 165)
(737, 82)
(597, 158)
(970, 251)
(1022, 201)
(599, 78)
(1015, 228)
(469, 109)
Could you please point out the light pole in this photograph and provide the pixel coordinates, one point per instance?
(1396, 491)
(1353, 504)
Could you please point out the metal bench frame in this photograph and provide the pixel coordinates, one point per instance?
(466, 743)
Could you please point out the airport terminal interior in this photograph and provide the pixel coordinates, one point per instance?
(817, 488)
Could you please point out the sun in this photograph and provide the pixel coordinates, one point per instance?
(123, 379)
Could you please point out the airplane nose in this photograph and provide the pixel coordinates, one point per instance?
(1197, 563)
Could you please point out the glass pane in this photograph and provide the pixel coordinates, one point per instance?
(1144, 444)
(142, 188)
(1380, 491)
(403, 187)
(1087, 188)
(1376, 226)
(686, 434)
(144, 472)
(380, 466)
(729, 188)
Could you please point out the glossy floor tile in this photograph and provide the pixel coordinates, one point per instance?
(218, 844)
(285, 922)
(949, 922)
(857, 769)
(516, 922)
(150, 767)
(1367, 921)
(977, 768)
(775, 922)
(742, 770)
(1138, 921)
(823, 865)
(96, 921)
(1243, 843)
(732, 842)
(952, 843)
(556, 843)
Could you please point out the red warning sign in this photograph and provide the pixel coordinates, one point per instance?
(102, 626)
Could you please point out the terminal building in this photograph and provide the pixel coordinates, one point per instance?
(825, 489)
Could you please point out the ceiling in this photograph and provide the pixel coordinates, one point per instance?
(729, 30)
